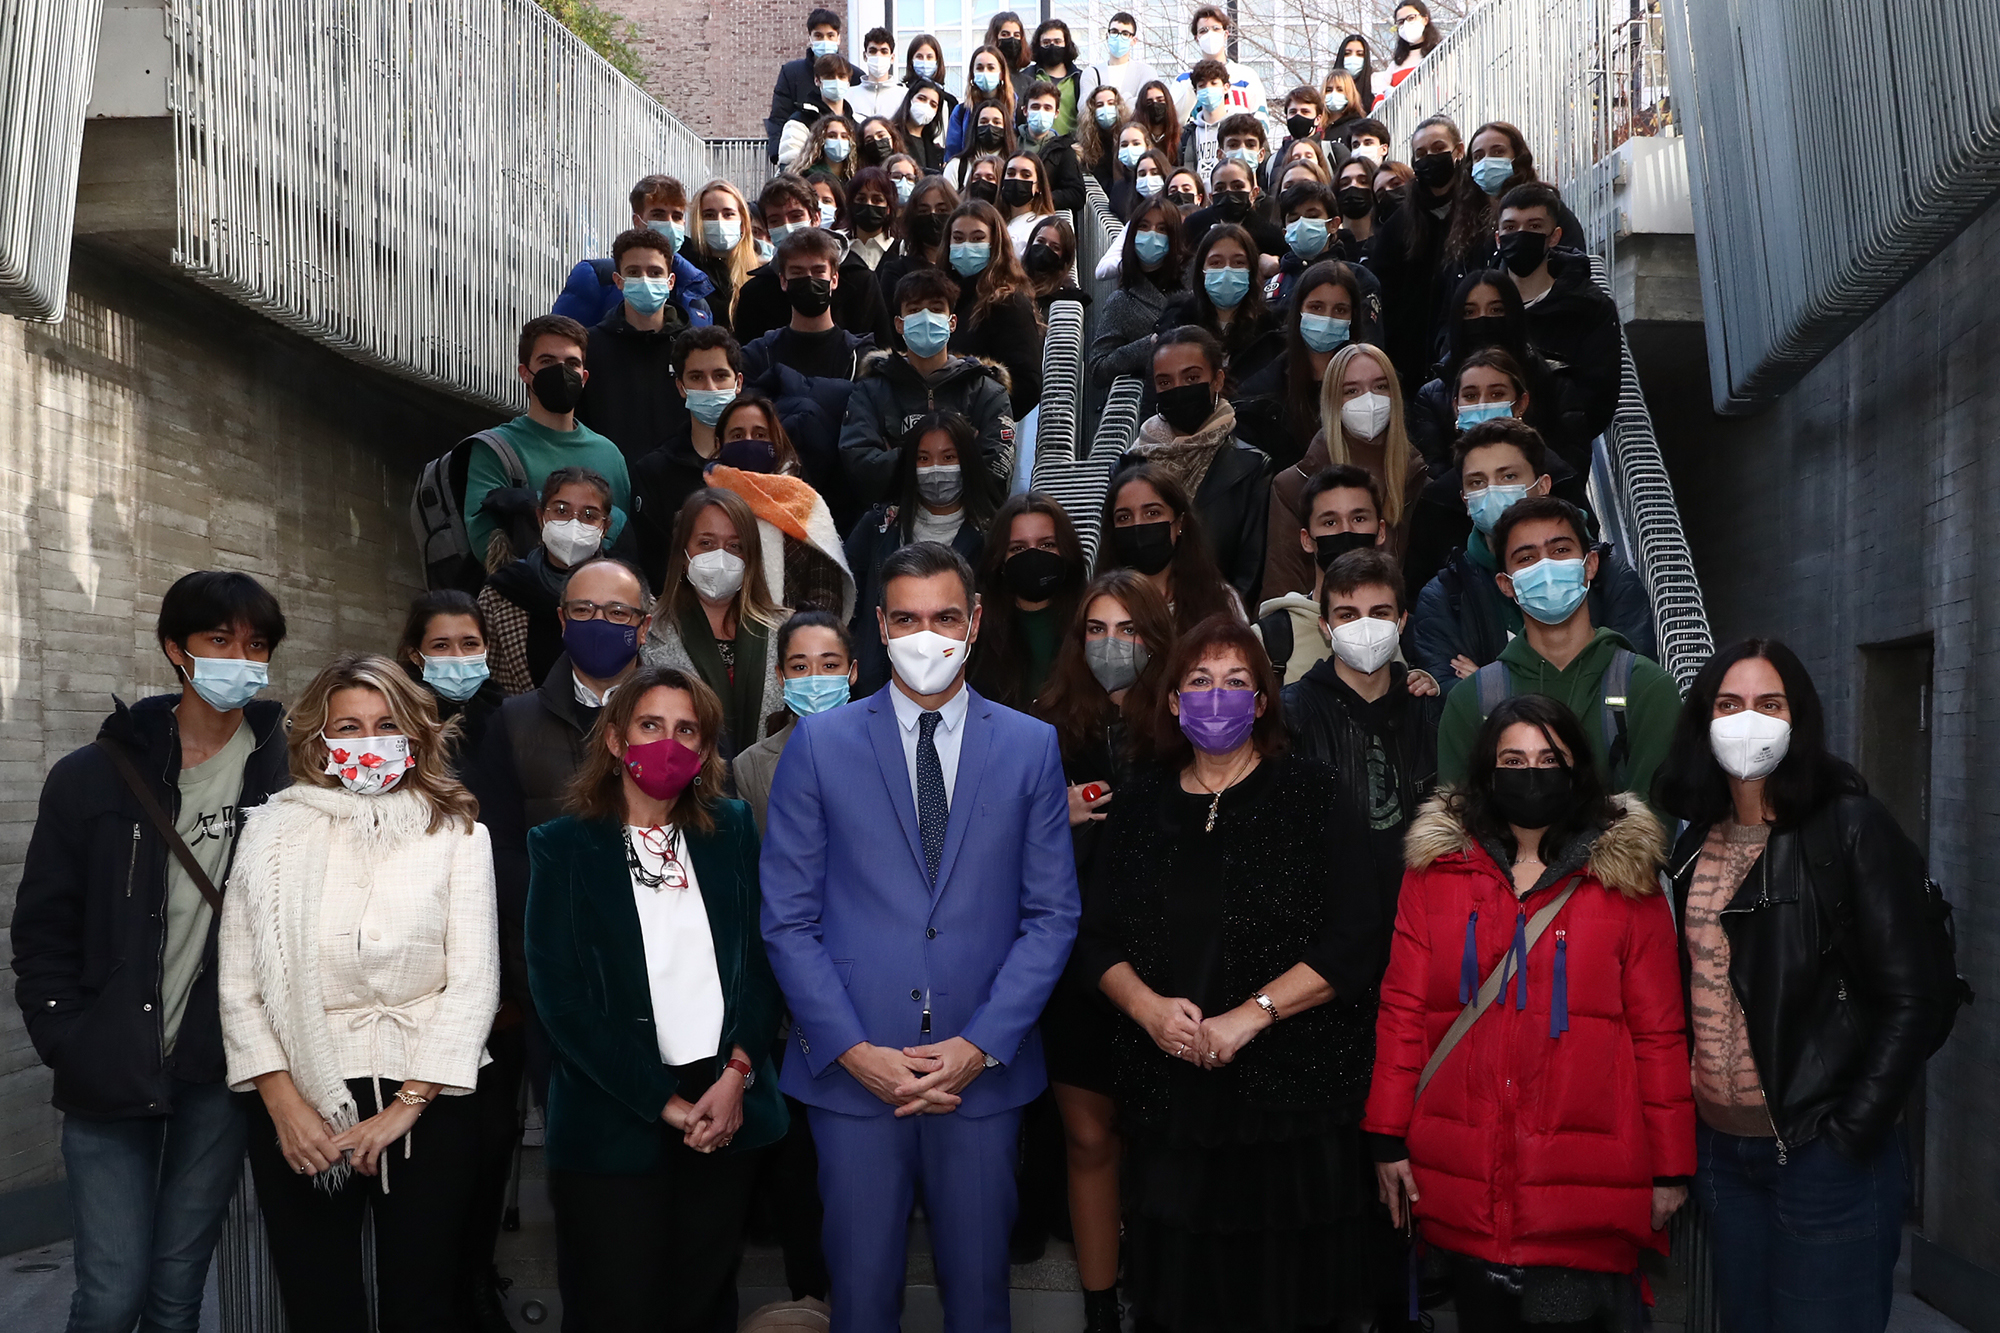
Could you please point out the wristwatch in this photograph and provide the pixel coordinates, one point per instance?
(1264, 1002)
(408, 1098)
(743, 1067)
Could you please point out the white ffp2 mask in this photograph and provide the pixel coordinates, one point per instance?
(1749, 745)
(927, 661)
(1365, 644)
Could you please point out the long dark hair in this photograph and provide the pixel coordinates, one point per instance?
(976, 479)
(1431, 36)
(1692, 786)
(1458, 338)
(598, 789)
(1167, 277)
(1426, 231)
(1166, 135)
(1475, 213)
(1364, 82)
(999, 665)
(1302, 387)
(1074, 703)
(1590, 807)
(1252, 317)
(1199, 588)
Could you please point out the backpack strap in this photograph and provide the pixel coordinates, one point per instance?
(1494, 683)
(1276, 630)
(161, 824)
(517, 472)
(1616, 688)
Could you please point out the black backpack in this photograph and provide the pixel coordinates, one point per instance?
(437, 512)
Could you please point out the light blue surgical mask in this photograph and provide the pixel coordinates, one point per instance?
(705, 405)
(1485, 507)
(833, 90)
(1151, 246)
(718, 234)
(904, 185)
(1149, 185)
(1306, 236)
(925, 67)
(765, 249)
(1226, 286)
(821, 49)
(456, 678)
(1353, 65)
(1550, 590)
(1210, 97)
(781, 231)
(673, 231)
(1471, 416)
(1107, 115)
(1249, 157)
(925, 332)
(1492, 173)
(827, 213)
(1130, 154)
(985, 80)
(806, 695)
(646, 295)
(1119, 45)
(1323, 333)
(970, 257)
(1040, 121)
(227, 683)
(836, 150)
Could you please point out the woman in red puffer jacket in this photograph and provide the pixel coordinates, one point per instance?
(1553, 1142)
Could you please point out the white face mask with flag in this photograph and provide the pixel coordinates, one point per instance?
(928, 662)
(368, 765)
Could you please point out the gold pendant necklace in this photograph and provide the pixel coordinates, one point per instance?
(1215, 794)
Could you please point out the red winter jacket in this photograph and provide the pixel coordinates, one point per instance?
(1529, 1148)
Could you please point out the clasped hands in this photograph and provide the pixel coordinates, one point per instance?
(1177, 1027)
(713, 1121)
(916, 1080)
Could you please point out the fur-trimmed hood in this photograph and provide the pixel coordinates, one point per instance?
(885, 362)
(1626, 856)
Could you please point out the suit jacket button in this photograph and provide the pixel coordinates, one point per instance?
(931, 934)
(802, 1046)
(915, 995)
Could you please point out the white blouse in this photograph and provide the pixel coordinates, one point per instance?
(680, 952)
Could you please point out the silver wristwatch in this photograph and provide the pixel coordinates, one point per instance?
(1265, 1003)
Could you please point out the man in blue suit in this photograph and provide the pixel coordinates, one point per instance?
(919, 903)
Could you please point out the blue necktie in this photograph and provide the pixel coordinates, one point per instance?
(932, 809)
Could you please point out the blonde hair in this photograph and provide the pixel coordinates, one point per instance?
(753, 602)
(416, 717)
(743, 258)
(1396, 449)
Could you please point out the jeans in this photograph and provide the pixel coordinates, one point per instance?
(147, 1199)
(1806, 1247)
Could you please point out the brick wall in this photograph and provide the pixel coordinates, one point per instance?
(1861, 509)
(713, 64)
(158, 430)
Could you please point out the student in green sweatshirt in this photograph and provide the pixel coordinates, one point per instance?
(1549, 564)
(548, 436)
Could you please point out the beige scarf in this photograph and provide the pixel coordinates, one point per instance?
(1187, 458)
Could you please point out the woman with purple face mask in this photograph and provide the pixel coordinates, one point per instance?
(1232, 919)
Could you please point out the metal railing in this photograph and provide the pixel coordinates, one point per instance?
(1799, 245)
(48, 57)
(741, 162)
(406, 181)
(1097, 233)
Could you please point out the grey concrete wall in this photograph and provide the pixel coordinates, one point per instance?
(158, 430)
(1864, 508)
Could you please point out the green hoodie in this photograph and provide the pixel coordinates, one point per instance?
(1653, 709)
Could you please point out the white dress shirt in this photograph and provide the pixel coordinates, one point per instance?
(950, 735)
(680, 959)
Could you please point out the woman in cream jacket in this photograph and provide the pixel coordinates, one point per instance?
(359, 976)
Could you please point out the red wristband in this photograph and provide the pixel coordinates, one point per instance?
(740, 1066)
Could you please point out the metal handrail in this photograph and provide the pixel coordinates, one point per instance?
(1098, 233)
(48, 58)
(1080, 483)
(1062, 385)
(741, 162)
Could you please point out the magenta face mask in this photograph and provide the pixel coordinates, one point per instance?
(663, 768)
(1217, 721)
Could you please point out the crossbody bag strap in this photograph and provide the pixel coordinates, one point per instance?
(175, 843)
(1490, 989)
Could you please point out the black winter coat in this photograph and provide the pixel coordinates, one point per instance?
(1234, 502)
(1065, 168)
(1575, 328)
(1439, 524)
(1008, 334)
(1841, 991)
(892, 396)
(795, 87)
(89, 927)
(661, 483)
(811, 407)
(857, 303)
(631, 399)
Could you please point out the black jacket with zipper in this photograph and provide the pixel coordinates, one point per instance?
(90, 919)
(1841, 995)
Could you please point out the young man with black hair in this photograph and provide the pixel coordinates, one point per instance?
(765, 303)
(795, 86)
(1572, 322)
(1627, 704)
(630, 397)
(1201, 132)
(877, 91)
(1368, 138)
(1339, 511)
(1123, 71)
(1243, 87)
(659, 204)
(114, 937)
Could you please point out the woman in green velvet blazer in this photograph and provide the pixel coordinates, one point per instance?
(661, 1090)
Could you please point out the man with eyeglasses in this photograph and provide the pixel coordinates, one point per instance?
(1123, 71)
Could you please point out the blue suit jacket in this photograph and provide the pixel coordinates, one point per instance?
(859, 937)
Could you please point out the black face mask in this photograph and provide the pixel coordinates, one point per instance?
(1356, 201)
(1523, 251)
(1233, 206)
(1016, 191)
(1532, 797)
(1034, 575)
(1330, 546)
(809, 296)
(1011, 48)
(1041, 259)
(1182, 200)
(986, 190)
(1053, 55)
(926, 229)
(557, 388)
(1299, 126)
(1436, 170)
(749, 455)
(1386, 206)
(877, 147)
(1154, 110)
(1485, 331)
(989, 136)
(868, 217)
(1146, 547)
(1186, 406)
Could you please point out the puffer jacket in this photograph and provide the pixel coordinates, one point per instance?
(1841, 990)
(1536, 1143)
(892, 395)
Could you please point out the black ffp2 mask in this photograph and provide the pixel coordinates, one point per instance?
(809, 296)
(1531, 797)
(1146, 547)
(557, 388)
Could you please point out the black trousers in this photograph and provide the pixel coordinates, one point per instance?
(497, 1101)
(654, 1253)
(315, 1234)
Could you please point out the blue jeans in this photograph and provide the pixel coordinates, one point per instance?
(147, 1198)
(1807, 1247)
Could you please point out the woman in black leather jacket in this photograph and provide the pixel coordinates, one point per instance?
(1816, 989)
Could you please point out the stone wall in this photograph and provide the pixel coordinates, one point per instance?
(156, 430)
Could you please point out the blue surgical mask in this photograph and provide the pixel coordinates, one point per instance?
(721, 235)
(667, 227)
(1119, 45)
(822, 49)
(781, 231)
(1550, 590)
(1306, 236)
(806, 695)
(1149, 185)
(925, 332)
(904, 185)
(1210, 97)
(227, 683)
(1226, 286)
(1323, 333)
(1485, 507)
(970, 257)
(1471, 416)
(1040, 121)
(1151, 246)
(765, 250)
(1353, 65)
(985, 80)
(925, 67)
(1130, 154)
(833, 90)
(836, 150)
(1249, 157)
(1107, 116)
(705, 405)
(827, 213)
(646, 295)
(456, 678)
(1491, 173)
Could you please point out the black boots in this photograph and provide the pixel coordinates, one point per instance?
(1100, 1311)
